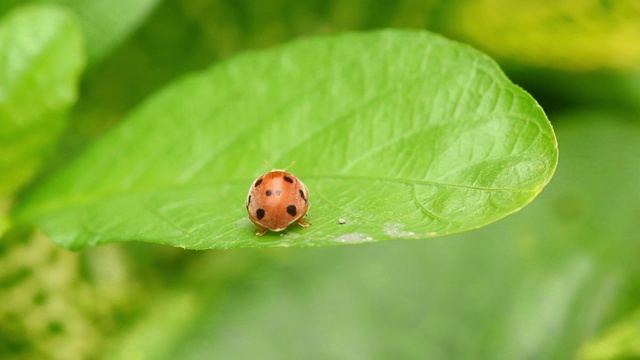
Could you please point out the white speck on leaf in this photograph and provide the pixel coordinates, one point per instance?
(395, 230)
(353, 238)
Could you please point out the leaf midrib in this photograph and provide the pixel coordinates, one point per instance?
(83, 199)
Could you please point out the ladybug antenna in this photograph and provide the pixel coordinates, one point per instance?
(290, 165)
(268, 164)
(272, 167)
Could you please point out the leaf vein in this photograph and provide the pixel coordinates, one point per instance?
(423, 208)
(410, 182)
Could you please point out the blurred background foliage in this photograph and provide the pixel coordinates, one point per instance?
(558, 280)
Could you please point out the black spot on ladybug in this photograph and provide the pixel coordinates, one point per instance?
(291, 209)
(258, 182)
(302, 195)
(278, 192)
(288, 179)
(260, 213)
(268, 192)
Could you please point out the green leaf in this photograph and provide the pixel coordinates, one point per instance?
(105, 23)
(621, 341)
(403, 134)
(39, 70)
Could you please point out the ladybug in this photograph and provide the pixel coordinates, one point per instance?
(276, 200)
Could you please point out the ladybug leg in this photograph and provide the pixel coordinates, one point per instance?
(260, 231)
(304, 223)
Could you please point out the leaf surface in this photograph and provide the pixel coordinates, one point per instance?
(402, 134)
(39, 70)
(104, 23)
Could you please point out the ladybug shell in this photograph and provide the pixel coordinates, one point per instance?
(276, 200)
